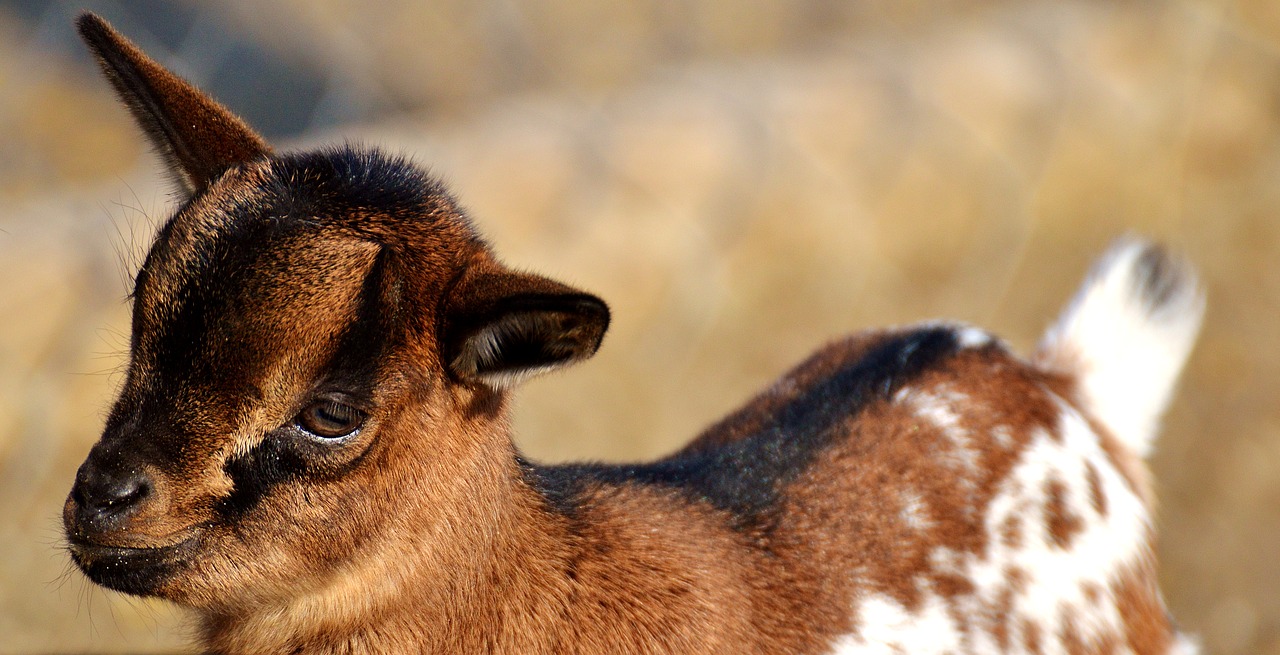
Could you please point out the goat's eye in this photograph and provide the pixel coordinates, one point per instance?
(329, 419)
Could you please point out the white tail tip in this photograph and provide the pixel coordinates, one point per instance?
(1126, 336)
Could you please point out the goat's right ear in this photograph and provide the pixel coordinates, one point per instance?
(501, 327)
(198, 138)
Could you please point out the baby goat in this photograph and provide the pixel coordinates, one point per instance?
(311, 450)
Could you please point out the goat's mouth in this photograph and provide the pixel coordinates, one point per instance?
(133, 570)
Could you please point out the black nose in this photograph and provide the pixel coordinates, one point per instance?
(106, 495)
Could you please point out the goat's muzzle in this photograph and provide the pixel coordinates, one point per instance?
(101, 518)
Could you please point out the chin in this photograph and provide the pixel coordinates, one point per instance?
(135, 571)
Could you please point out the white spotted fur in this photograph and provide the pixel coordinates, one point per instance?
(1056, 578)
(1124, 338)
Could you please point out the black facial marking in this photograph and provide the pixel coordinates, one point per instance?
(374, 331)
(744, 478)
(253, 474)
(197, 321)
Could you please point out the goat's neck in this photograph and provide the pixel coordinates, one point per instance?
(481, 550)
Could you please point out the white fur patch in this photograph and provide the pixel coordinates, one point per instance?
(938, 406)
(914, 513)
(1056, 578)
(967, 336)
(971, 337)
(1184, 645)
(888, 628)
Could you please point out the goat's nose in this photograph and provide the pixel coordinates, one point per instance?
(106, 495)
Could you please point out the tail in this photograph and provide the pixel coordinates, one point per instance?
(1126, 336)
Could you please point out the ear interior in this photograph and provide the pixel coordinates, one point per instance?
(198, 137)
(511, 326)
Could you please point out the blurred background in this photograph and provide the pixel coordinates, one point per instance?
(740, 179)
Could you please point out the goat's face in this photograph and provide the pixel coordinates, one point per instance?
(260, 372)
(313, 336)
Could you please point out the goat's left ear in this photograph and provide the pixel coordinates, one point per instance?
(501, 327)
(198, 138)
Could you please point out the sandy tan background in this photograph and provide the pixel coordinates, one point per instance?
(741, 180)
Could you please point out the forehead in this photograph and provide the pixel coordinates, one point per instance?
(259, 297)
(275, 260)
(298, 219)
(280, 274)
(361, 194)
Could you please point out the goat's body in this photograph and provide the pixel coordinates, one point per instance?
(310, 448)
(921, 492)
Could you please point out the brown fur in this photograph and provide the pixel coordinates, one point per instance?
(224, 139)
(423, 530)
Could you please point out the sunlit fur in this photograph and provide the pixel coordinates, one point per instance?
(914, 490)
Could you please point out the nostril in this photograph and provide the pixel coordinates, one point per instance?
(102, 493)
(126, 491)
(79, 490)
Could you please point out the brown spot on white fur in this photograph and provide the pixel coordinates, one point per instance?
(1011, 531)
(1097, 495)
(1145, 618)
(1059, 517)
